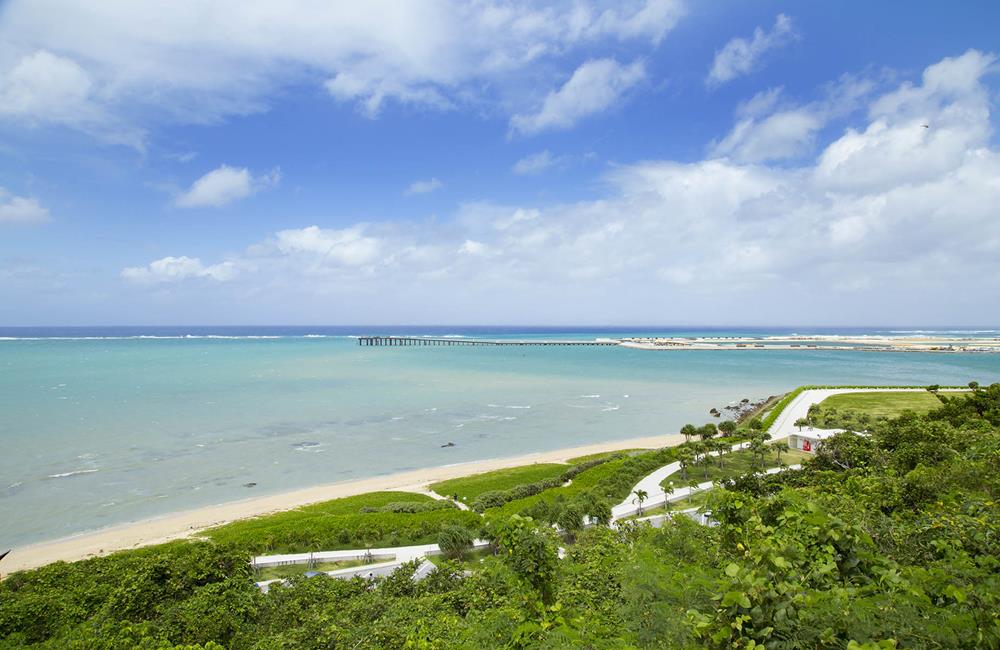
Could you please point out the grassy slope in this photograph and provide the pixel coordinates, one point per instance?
(888, 404)
(339, 524)
(469, 487)
(602, 454)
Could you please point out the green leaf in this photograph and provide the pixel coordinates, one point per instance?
(732, 570)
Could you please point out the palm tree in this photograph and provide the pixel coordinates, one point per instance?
(687, 431)
(684, 457)
(668, 489)
(780, 448)
(758, 448)
(705, 461)
(802, 422)
(721, 448)
(640, 496)
(727, 427)
(708, 431)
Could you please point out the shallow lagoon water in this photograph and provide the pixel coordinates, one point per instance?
(99, 427)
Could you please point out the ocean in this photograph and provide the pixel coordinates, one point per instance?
(102, 426)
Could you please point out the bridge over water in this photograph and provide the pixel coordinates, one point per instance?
(422, 340)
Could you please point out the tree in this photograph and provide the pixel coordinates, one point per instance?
(780, 448)
(530, 552)
(933, 388)
(756, 424)
(688, 430)
(684, 457)
(570, 519)
(640, 496)
(721, 448)
(708, 431)
(974, 385)
(727, 427)
(668, 489)
(705, 461)
(455, 541)
(758, 448)
(802, 422)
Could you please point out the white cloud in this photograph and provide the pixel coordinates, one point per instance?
(595, 86)
(173, 269)
(121, 61)
(782, 135)
(471, 247)
(350, 247)
(741, 56)
(535, 163)
(761, 103)
(225, 185)
(20, 209)
(424, 187)
(671, 237)
(772, 128)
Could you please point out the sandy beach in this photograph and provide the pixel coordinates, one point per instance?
(185, 524)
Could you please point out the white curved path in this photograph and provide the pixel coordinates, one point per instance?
(784, 425)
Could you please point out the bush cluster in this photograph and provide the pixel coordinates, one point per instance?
(412, 507)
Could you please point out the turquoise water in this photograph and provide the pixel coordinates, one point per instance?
(99, 431)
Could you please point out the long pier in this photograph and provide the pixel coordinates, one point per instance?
(420, 340)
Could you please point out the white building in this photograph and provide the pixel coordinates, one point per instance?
(810, 439)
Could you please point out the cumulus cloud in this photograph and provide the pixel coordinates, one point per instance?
(350, 247)
(699, 235)
(21, 209)
(595, 86)
(198, 63)
(424, 187)
(225, 185)
(173, 269)
(535, 163)
(771, 128)
(741, 56)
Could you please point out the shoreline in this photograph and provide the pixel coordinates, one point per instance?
(187, 523)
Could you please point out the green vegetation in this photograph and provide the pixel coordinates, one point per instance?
(292, 570)
(875, 405)
(605, 454)
(887, 540)
(469, 487)
(736, 463)
(366, 520)
(469, 562)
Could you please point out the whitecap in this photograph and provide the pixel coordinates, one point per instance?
(74, 473)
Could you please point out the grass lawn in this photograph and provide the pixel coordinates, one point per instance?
(585, 479)
(887, 404)
(695, 500)
(604, 454)
(469, 487)
(290, 570)
(471, 562)
(734, 464)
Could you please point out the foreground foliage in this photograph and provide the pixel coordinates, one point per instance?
(885, 540)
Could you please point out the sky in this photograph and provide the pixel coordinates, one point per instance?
(642, 162)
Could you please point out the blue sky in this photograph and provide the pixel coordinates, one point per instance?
(647, 162)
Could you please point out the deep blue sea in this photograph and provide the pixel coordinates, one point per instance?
(104, 425)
